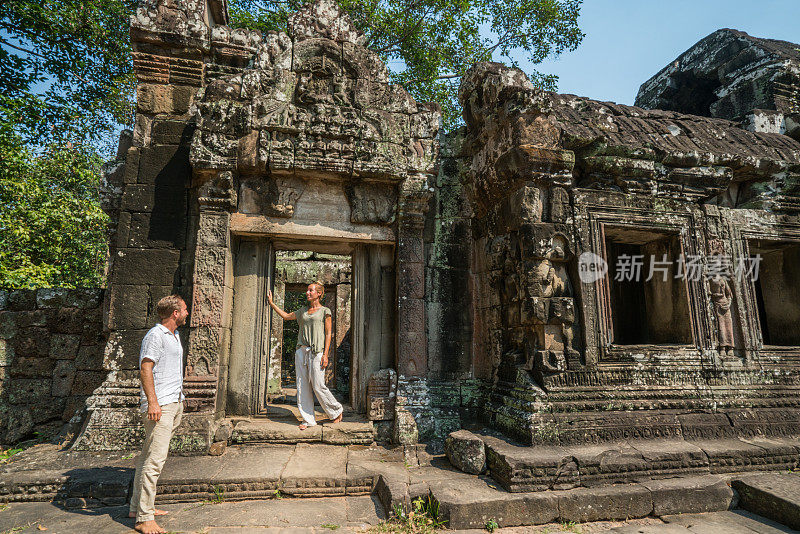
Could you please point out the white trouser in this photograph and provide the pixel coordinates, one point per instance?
(155, 447)
(310, 382)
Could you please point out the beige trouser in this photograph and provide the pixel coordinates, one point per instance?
(157, 435)
(310, 382)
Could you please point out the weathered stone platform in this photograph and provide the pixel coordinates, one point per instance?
(520, 468)
(395, 476)
(268, 431)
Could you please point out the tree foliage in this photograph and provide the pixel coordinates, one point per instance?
(430, 44)
(65, 69)
(52, 230)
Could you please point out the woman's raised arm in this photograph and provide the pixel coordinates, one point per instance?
(285, 316)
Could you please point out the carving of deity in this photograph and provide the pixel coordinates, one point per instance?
(722, 298)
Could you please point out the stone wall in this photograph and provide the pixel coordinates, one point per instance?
(51, 359)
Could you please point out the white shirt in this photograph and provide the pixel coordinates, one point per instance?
(165, 350)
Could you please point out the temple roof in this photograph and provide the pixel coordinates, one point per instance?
(668, 136)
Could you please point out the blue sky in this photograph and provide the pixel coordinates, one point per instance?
(628, 41)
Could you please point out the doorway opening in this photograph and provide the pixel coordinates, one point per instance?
(294, 270)
(777, 288)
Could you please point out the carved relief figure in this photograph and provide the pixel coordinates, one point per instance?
(722, 298)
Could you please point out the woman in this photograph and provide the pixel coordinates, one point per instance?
(311, 356)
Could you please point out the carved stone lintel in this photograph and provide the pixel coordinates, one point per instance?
(218, 192)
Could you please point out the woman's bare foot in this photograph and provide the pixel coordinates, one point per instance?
(338, 419)
(302, 426)
(149, 527)
(132, 515)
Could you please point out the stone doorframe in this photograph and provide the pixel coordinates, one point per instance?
(375, 344)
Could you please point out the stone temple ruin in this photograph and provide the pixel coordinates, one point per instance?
(473, 273)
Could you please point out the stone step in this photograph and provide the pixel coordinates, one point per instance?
(286, 431)
(240, 473)
(773, 495)
(519, 468)
(304, 470)
(470, 501)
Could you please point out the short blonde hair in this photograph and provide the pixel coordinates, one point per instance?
(167, 305)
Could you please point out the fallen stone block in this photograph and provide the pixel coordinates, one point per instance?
(466, 452)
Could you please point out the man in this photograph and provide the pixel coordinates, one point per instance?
(161, 404)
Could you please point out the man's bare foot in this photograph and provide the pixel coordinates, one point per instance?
(338, 419)
(149, 527)
(132, 515)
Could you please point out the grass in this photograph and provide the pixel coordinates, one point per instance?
(423, 518)
(571, 526)
(219, 495)
(491, 525)
(5, 455)
(330, 526)
(277, 494)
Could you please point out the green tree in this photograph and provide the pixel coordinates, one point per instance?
(52, 230)
(430, 44)
(65, 69)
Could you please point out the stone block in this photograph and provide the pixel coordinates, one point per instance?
(166, 166)
(412, 353)
(412, 280)
(156, 230)
(469, 503)
(3, 299)
(8, 325)
(182, 97)
(51, 297)
(32, 342)
(6, 353)
(90, 357)
(25, 319)
(69, 321)
(154, 98)
(15, 424)
(86, 382)
(466, 452)
(63, 377)
(84, 298)
(131, 174)
(128, 306)
(146, 266)
(690, 495)
(22, 300)
(411, 313)
(161, 197)
(210, 266)
(171, 132)
(410, 249)
(31, 367)
(583, 505)
(209, 306)
(29, 391)
(775, 496)
(213, 230)
(122, 349)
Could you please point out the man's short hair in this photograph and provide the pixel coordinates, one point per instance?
(167, 305)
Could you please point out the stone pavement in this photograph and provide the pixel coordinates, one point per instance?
(334, 514)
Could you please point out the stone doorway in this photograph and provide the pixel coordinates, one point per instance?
(294, 270)
(360, 291)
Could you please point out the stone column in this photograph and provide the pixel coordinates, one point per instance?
(212, 293)
(412, 351)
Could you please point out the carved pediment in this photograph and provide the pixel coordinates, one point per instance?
(316, 104)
